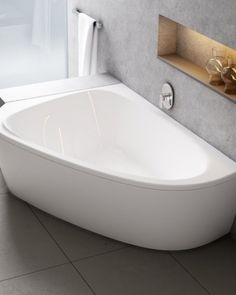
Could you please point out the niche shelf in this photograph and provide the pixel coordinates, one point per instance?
(189, 51)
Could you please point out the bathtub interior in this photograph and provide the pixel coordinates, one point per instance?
(111, 133)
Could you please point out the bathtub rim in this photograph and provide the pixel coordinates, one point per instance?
(133, 180)
(121, 180)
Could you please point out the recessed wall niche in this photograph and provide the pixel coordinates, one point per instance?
(189, 51)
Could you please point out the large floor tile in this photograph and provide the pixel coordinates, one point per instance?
(76, 242)
(213, 265)
(137, 271)
(63, 280)
(25, 246)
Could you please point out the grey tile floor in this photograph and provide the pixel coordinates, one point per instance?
(42, 255)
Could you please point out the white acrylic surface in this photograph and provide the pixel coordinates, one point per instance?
(107, 160)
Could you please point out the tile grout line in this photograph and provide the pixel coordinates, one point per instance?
(83, 278)
(100, 254)
(63, 252)
(34, 272)
(188, 272)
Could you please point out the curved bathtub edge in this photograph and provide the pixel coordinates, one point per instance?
(37, 151)
(57, 87)
(45, 153)
(176, 220)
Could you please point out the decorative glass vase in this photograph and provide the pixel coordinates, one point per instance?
(228, 75)
(215, 66)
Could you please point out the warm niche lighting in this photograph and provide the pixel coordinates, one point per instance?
(189, 51)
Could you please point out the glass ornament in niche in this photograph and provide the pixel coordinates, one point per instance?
(228, 75)
(215, 66)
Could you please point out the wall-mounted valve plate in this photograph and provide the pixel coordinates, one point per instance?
(167, 97)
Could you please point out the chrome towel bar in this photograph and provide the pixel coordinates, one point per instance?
(99, 25)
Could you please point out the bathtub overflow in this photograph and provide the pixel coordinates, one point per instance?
(167, 97)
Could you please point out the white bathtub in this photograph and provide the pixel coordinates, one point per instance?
(110, 162)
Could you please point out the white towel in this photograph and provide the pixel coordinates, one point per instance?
(88, 43)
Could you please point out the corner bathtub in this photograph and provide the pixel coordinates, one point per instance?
(108, 161)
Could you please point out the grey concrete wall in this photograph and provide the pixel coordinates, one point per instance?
(128, 50)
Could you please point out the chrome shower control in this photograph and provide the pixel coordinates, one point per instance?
(167, 97)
